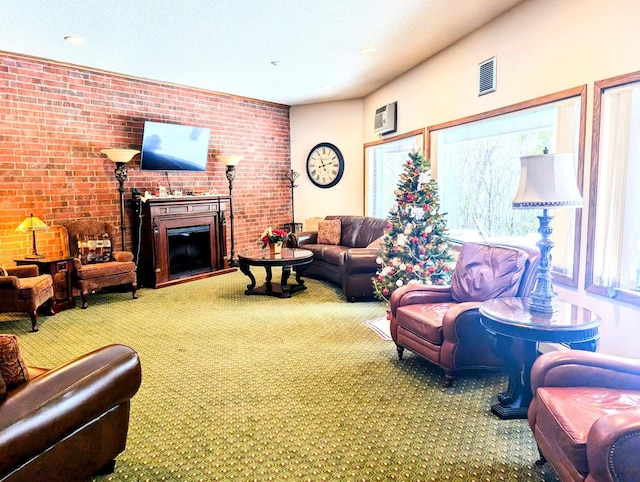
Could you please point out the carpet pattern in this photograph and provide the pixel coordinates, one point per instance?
(243, 388)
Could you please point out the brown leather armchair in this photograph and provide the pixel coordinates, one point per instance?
(89, 275)
(585, 415)
(69, 423)
(442, 323)
(25, 290)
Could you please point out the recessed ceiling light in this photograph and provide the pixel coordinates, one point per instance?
(327, 87)
(368, 50)
(74, 39)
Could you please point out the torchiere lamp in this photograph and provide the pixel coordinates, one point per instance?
(121, 157)
(33, 224)
(547, 181)
(231, 162)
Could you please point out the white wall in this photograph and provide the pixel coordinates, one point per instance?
(339, 123)
(542, 47)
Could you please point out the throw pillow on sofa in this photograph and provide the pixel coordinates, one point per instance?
(13, 369)
(329, 231)
(94, 249)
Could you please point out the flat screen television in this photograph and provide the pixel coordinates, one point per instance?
(173, 147)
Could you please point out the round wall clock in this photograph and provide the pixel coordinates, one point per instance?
(325, 165)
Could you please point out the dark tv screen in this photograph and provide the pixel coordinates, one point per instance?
(173, 147)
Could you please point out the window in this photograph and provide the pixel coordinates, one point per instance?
(476, 162)
(613, 249)
(383, 165)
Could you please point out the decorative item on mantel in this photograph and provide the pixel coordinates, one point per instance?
(231, 162)
(121, 157)
(33, 224)
(547, 181)
(274, 238)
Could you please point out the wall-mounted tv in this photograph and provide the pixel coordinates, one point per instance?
(173, 147)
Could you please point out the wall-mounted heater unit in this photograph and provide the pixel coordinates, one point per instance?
(385, 119)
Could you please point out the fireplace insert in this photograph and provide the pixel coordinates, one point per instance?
(189, 250)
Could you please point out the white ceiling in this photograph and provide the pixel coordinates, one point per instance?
(228, 45)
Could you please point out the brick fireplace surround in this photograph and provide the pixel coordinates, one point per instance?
(55, 119)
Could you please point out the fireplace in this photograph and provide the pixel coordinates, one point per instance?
(181, 239)
(189, 250)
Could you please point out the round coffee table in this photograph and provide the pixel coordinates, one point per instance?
(295, 258)
(509, 319)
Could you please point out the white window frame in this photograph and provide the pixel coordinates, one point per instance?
(613, 222)
(573, 235)
(383, 164)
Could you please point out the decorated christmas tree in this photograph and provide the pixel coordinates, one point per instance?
(415, 246)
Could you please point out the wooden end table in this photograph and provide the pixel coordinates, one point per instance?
(60, 269)
(294, 258)
(509, 319)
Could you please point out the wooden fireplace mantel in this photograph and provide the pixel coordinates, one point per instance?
(159, 218)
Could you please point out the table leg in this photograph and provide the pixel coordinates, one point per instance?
(286, 289)
(514, 403)
(267, 283)
(246, 269)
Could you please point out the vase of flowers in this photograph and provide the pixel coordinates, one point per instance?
(274, 238)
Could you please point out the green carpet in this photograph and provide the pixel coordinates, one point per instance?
(242, 388)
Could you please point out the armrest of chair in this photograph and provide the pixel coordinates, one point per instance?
(613, 444)
(419, 294)
(297, 240)
(24, 271)
(64, 399)
(122, 256)
(459, 317)
(361, 260)
(9, 283)
(573, 368)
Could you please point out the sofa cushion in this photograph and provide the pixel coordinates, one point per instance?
(329, 231)
(350, 226)
(484, 272)
(424, 320)
(13, 369)
(33, 286)
(568, 413)
(370, 230)
(110, 268)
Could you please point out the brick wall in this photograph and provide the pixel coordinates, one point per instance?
(55, 119)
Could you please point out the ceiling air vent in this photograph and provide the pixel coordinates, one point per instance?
(487, 82)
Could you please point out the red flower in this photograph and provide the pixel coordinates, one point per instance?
(410, 198)
(385, 291)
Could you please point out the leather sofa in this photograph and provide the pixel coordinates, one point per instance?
(350, 264)
(69, 423)
(585, 415)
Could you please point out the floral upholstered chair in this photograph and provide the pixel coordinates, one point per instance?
(96, 265)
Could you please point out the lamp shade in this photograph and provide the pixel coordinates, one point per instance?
(120, 155)
(32, 223)
(547, 181)
(229, 160)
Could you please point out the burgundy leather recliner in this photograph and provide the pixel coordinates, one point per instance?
(585, 415)
(442, 323)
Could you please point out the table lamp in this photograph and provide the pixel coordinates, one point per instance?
(33, 224)
(547, 181)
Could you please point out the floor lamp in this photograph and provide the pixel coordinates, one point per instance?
(121, 157)
(231, 162)
(547, 181)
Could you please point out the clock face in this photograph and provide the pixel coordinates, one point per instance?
(325, 165)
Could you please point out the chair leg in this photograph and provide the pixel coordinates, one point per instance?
(400, 350)
(85, 299)
(448, 379)
(134, 288)
(542, 459)
(107, 469)
(34, 320)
